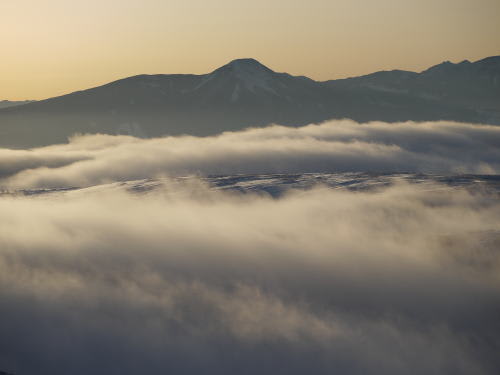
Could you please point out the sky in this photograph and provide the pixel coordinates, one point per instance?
(54, 47)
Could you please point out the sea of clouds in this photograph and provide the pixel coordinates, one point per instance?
(442, 147)
(185, 278)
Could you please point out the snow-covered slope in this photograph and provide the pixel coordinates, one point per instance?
(278, 184)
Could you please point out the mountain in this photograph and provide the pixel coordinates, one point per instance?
(246, 93)
(475, 86)
(8, 103)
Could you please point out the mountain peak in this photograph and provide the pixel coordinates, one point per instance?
(244, 61)
(245, 65)
(448, 66)
(246, 74)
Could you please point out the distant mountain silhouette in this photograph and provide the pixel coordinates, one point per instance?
(8, 103)
(474, 86)
(246, 93)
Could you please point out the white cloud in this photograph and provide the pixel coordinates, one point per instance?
(334, 146)
(187, 279)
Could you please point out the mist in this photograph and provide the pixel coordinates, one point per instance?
(335, 146)
(182, 276)
(185, 278)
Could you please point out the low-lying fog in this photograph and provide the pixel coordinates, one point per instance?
(442, 147)
(185, 278)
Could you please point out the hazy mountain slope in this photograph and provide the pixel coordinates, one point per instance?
(474, 86)
(246, 93)
(9, 103)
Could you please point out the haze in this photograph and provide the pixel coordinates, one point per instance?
(54, 47)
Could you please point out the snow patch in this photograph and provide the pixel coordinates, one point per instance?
(236, 93)
(205, 80)
(252, 75)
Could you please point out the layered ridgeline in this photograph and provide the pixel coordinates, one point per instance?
(246, 93)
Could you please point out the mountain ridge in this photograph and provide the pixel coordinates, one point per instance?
(246, 93)
(13, 103)
(494, 59)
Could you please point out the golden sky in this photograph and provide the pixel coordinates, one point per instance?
(52, 47)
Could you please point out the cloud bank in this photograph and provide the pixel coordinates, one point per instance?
(185, 279)
(335, 146)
